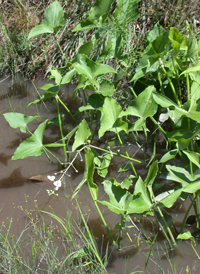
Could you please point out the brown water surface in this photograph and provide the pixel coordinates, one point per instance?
(16, 186)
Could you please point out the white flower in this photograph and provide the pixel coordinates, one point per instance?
(57, 184)
(51, 178)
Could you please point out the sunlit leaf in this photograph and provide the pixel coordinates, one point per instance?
(192, 188)
(96, 16)
(88, 176)
(84, 65)
(143, 106)
(117, 197)
(68, 77)
(32, 146)
(81, 136)
(194, 157)
(110, 112)
(186, 236)
(168, 156)
(52, 21)
(126, 12)
(106, 88)
(143, 203)
(20, 120)
(169, 200)
(177, 38)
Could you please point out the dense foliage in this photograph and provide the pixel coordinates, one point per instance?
(162, 81)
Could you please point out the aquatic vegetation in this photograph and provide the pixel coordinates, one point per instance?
(165, 81)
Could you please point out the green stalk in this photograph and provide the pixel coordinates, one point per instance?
(92, 244)
(177, 78)
(60, 48)
(161, 83)
(45, 151)
(167, 227)
(186, 215)
(188, 86)
(121, 155)
(172, 86)
(120, 232)
(66, 108)
(61, 130)
(192, 245)
(101, 216)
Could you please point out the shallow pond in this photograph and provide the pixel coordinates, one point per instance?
(24, 181)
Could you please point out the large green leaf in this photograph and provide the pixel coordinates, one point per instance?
(20, 120)
(143, 106)
(192, 68)
(155, 32)
(110, 112)
(192, 188)
(169, 200)
(52, 21)
(95, 101)
(194, 157)
(142, 202)
(163, 100)
(83, 65)
(126, 12)
(106, 88)
(88, 176)
(68, 77)
(117, 197)
(82, 134)
(32, 146)
(104, 162)
(192, 46)
(177, 38)
(168, 156)
(55, 74)
(151, 176)
(186, 236)
(181, 175)
(96, 16)
(113, 47)
(181, 136)
(40, 29)
(161, 44)
(89, 161)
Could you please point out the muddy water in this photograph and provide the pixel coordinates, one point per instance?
(18, 192)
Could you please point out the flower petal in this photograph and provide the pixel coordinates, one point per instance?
(51, 178)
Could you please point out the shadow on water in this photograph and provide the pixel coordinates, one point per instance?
(28, 177)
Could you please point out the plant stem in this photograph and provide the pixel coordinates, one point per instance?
(101, 216)
(61, 130)
(186, 215)
(45, 151)
(66, 108)
(121, 155)
(172, 86)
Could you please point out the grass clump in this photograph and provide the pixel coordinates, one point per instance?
(49, 245)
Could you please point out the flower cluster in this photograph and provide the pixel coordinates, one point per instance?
(57, 183)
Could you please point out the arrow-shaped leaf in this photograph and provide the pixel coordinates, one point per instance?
(32, 146)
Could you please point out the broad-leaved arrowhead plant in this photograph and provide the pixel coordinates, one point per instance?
(166, 80)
